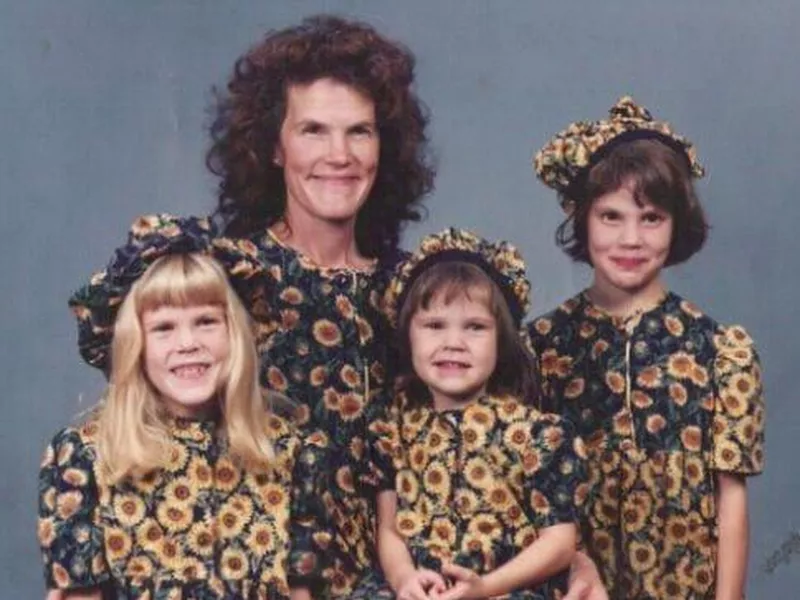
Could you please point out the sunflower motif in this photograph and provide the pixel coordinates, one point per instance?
(598, 348)
(344, 479)
(548, 363)
(478, 473)
(673, 325)
(525, 536)
(407, 486)
(230, 522)
(649, 377)
(292, 295)
(149, 535)
(671, 587)
(691, 438)
(226, 475)
(542, 326)
(118, 543)
(655, 424)
(173, 516)
(699, 376)
(643, 557)
(473, 438)
(636, 511)
(680, 365)
(518, 436)
(46, 532)
(727, 455)
(273, 496)
(539, 503)
(344, 306)
(350, 376)
(480, 417)
(200, 539)
(75, 477)
(289, 318)
(615, 382)
(436, 481)
(139, 569)
(61, 576)
(575, 388)
(351, 406)
(486, 527)
(678, 394)
(587, 330)
(129, 509)
(745, 432)
(510, 410)
(260, 540)
(234, 564)
(68, 503)
(443, 532)
(531, 460)
(176, 457)
(408, 523)
(327, 333)
(623, 423)
(694, 470)
(365, 333)
(466, 502)
(499, 497)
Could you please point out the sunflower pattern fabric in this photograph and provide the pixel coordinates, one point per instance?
(322, 338)
(663, 400)
(475, 486)
(200, 528)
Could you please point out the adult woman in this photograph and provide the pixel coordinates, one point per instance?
(668, 400)
(320, 145)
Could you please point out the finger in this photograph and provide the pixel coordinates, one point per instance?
(454, 593)
(430, 578)
(578, 590)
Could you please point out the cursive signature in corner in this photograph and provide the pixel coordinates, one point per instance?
(783, 555)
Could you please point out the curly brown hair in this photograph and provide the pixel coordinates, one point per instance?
(248, 119)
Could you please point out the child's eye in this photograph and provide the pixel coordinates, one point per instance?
(609, 216)
(161, 327)
(477, 326)
(433, 325)
(653, 218)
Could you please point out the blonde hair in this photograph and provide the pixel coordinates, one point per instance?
(133, 424)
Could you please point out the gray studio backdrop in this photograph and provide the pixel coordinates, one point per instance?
(103, 116)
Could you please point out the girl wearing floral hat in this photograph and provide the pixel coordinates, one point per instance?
(480, 495)
(668, 401)
(179, 483)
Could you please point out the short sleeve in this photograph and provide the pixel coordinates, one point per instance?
(383, 446)
(738, 427)
(310, 526)
(554, 470)
(69, 535)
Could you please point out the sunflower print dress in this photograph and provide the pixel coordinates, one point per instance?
(200, 528)
(663, 400)
(475, 486)
(322, 338)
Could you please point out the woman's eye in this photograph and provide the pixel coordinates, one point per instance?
(363, 131)
(312, 128)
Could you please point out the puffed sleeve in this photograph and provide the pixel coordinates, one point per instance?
(555, 481)
(310, 526)
(738, 428)
(69, 535)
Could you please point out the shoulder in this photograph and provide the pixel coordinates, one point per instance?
(73, 443)
(545, 326)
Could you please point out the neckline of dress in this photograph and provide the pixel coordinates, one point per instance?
(629, 321)
(309, 263)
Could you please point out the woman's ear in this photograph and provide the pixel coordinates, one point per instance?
(277, 157)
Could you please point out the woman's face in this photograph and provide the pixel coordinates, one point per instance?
(329, 149)
(628, 244)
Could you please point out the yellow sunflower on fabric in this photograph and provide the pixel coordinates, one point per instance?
(174, 517)
(68, 503)
(234, 564)
(408, 523)
(129, 509)
(466, 502)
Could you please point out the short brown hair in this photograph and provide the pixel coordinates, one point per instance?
(659, 175)
(514, 372)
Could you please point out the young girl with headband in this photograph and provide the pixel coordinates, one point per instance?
(668, 401)
(179, 483)
(480, 496)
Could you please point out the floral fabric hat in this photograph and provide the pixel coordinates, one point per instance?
(501, 261)
(566, 159)
(95, 305)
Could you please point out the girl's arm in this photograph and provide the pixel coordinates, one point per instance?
(734, 536)
(551, 553)
(405, 579)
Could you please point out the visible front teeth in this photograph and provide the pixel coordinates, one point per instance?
(190, 371)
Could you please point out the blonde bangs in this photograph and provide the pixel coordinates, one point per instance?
(181, 280)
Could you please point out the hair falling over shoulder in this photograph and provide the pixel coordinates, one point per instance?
(134, 427)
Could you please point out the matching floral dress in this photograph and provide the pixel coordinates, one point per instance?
(322, 338)
(200, 528)
(476, 486)
(663, 401)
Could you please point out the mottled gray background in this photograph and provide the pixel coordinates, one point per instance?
(103, 116)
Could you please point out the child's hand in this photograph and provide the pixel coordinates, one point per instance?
(419, 584)
(467, 585)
